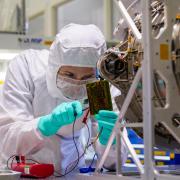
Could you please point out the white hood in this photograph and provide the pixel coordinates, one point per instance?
(75, 45)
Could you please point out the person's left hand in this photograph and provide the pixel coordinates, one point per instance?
(106, 120)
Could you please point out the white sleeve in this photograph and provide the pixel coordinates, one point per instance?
(110, 162)
(19, 137)
(18, 127)
(17, 94)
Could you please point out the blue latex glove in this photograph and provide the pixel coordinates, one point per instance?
(106, 120)
(62, 115)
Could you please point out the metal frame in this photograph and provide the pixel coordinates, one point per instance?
(151, 62)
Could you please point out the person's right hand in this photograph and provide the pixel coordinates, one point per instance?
(62, 115)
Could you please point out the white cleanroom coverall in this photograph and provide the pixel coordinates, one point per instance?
(30, 91)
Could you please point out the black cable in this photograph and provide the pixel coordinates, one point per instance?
(13, 156)
(87, 145)
(12, 162)
(88, 136)
(79, 157)
(66, 173)
(60, 175)
(92, 160)
(76, 150)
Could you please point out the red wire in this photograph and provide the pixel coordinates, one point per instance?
(85, 116)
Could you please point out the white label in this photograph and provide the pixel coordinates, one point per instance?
(26, 170)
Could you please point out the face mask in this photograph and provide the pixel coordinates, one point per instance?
(72, 89)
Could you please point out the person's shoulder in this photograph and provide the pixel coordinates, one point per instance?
(30, 63)
(34, 51)
(32, 54)
(29, 56)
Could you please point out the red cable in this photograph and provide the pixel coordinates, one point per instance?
(85, 116)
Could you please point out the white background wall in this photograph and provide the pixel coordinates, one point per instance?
(82, 12)
(41, 19)
(36, 26)
(75, 11)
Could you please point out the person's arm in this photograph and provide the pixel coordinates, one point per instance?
(18, 136)
(24, 134)
(18, 127)
(106, 120)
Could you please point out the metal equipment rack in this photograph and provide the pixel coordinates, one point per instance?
(157, 56)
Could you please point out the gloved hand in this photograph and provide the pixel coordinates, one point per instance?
(106, 120)
(62, 115)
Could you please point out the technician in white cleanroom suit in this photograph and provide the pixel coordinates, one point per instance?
(39, 93)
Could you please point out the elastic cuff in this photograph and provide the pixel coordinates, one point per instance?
(36, 129)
